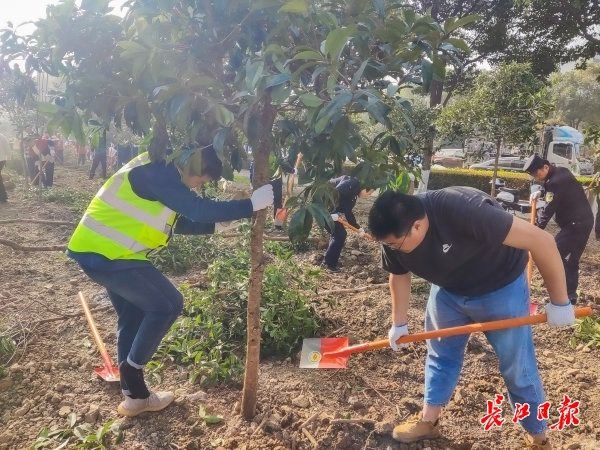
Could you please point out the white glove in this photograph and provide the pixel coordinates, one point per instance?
(535, 196)
(395, 333)
(335, 217)
(295, 171)
(262, 197)
(560, 315)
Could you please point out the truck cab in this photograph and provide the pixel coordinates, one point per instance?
(561, 146)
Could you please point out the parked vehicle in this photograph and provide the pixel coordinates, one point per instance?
(449, 157)
(509, 198)
(561, 145)
(514, 163)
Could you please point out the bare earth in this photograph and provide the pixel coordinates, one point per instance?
(53, 374)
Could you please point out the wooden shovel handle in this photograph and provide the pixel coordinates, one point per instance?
(351, 228)
(455, 331)
(99, 342)
(532, 221)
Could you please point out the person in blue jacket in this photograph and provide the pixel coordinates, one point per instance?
(133, 214)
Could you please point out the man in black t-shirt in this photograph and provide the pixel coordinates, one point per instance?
(567, 202)
(474, 254)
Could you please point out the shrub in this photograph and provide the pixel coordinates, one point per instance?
(210, 334)
(184, 252)
(79, 436)
(587, 331)
(481, 179)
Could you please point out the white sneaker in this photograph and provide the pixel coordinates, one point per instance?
(131, 407)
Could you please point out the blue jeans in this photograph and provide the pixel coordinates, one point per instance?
(513, 346)
(146, 303)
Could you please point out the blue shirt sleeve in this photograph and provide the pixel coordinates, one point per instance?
(187, 226)
(162, 182)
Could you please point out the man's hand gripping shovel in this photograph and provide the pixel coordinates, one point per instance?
(333, 353)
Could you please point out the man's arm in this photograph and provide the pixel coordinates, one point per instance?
(545, 254)
(187, 226)
(546, 213)
(400, 292)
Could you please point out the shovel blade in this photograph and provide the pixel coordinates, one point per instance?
(110, 374)
(533, 307)
(281, 215)
(314, 351)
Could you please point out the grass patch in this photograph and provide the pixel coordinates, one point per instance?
(8, 348)
(76, 201)
(184, 252)
(210, 335)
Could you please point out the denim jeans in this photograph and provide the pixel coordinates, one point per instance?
(146, 303)
(513, 346)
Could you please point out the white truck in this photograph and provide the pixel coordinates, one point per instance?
(561, 145)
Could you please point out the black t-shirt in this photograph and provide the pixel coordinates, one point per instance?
(462, 250)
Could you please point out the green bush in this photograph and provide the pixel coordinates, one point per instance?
(184, 252)
(481, 179)
(82, 436)
(210, 334)
(587, 331)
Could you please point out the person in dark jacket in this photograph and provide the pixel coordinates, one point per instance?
(133, 214)
(566, 200)
(99, 157)
(348, 190)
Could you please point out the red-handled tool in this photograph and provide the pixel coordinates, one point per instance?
(333, 353)
(108, 371)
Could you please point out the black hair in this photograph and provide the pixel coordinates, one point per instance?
(394, 213)
(211, 164)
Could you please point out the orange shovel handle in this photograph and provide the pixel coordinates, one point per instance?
(530, 264)
(454, 331)
(99, 342)
(350, 227)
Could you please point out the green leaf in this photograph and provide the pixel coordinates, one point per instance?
(311, 100)
(300, 225)
(459, 44)
(212, 419)
(295, 7)
(336, 41)
(71, 419)
(223, 115)
(439, 68)
(452, 23)
(426, 73)
(47, 108)
(321, 215)
(359, 73)
(308, 55)
(254, 72)
(275, 80)
(335, 105)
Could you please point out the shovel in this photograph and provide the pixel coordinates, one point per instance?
(333, 353)
(282, 213)
(356, 230)
(108, 372)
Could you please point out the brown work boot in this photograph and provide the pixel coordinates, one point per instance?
(537, 444)
(416, 429)
(131, 407)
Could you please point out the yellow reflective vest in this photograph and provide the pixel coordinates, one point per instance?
(119, 224)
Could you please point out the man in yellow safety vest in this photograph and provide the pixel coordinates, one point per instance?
(134, 213)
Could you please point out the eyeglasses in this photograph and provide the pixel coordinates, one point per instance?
(397, 246)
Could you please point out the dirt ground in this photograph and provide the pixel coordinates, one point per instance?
(53, 374)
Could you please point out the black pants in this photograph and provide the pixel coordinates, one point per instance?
(48, 175)
(277, 194)
(32, 169)
(3, 196)
(99, 159)
(81, 160)
(336, 244)
(571, 241)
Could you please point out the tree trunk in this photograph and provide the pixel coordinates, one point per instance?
(435, 98)
(498, 145)
(261, 150)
